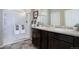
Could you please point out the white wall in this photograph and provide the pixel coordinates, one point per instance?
(12, 18)
(71, 17)
(1, 35)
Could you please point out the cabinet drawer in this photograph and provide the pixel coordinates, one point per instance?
(51, 35)
(58, 44)
(63, 37)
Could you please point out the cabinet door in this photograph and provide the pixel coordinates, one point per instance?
(58, 44)
(44, 39)
(36, 38)
(64, 37)
(76, 42)
(54, 44)
(65, 45)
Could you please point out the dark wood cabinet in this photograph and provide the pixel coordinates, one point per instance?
(53, 43)
(59, 41)
(51, 40)
(39, 38)
(65, 45)
(58, 44)
(36, 38)
(44, 39)
(76, 42)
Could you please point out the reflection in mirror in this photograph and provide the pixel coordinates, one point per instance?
(55, 17)
(66, 18)
(71, 17)
(42, 17)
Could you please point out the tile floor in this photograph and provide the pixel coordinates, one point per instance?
(26, 44)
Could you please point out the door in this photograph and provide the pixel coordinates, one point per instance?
(8, 24)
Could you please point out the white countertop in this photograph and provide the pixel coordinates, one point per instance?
(60, 30)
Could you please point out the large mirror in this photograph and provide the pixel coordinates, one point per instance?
(58, 17)
(42, 17)
(55, 17)
(64, 17)
(71, 17)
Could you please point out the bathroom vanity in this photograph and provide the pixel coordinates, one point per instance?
(54, 38)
